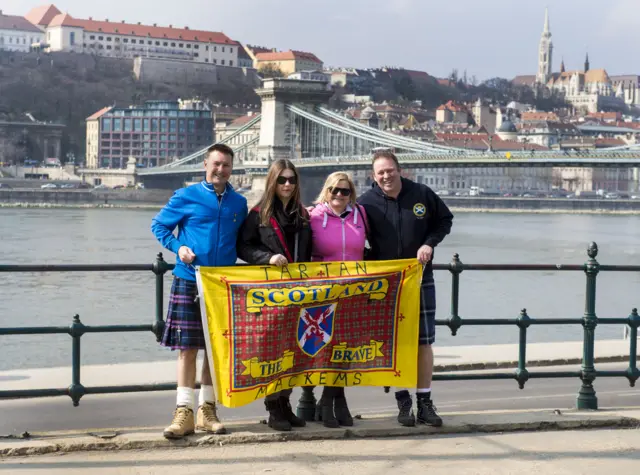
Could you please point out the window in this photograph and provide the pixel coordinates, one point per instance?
(230, 62)
(182, 127)
(163, 137)
(145, 127)
(157, 43)
(165, 43)
(117, 125)
(92, 37)
(223, 49)
(195, 55)
(134, 41)
(173, 44)
(127, 125)
(154, 125)
(173, 137)
(163, 125)
(181, 45)
(137, 125)
(106, 125)
(196, 46)
(222, 62)
(125, 40)
(188, 46)
(101, 38)
(108, 46)
(172, 125)
(108, 38)
(192, 126)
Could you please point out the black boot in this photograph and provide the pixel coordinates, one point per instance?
(427, 411)
(277, 421)
(405, 406)
(287, 411)
(324, 410)
(341, 409)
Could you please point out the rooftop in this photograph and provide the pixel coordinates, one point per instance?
(287, 55)
(14, 22)
(122, 28)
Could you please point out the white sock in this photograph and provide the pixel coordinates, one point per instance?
(205, 395)
(185, 397)
(423, 390)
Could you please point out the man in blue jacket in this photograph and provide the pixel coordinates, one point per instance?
(208, 216)
(407, 220)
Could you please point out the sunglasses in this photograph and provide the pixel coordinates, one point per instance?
(343, 191)
(292, 180)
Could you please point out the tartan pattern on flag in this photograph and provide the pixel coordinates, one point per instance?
(274, 330)
(183, 329)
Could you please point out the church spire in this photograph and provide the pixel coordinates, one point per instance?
(545, 52)
(546, 21)
(586, 63)
(562, 70)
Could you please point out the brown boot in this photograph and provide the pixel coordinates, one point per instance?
(207, 419)
(181, 425)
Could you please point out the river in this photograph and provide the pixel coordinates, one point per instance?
(119, 236)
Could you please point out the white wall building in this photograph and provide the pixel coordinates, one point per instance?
(18, 34)
(125, 40)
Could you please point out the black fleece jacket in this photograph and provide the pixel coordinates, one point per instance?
(399, 227)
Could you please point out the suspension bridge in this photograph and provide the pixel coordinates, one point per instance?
(296, 124)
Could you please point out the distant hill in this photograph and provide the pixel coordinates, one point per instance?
(69, 87)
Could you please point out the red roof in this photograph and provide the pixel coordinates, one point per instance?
(240, 121)
(538, 116)
(42, 15)
(100, 113)
(11, 22)
(184, 34)
(288, 55)
(453, 107)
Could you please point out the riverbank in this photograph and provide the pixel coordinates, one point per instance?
(455, 208)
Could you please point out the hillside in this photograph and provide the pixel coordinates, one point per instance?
(68, 88)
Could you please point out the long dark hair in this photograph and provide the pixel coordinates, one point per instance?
(269, 197)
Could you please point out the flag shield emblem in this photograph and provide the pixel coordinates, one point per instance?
(315, 328)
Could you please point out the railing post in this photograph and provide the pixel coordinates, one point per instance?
(587, 395)
(76, 390)
(159, 268)
(455, 267)
(522, 375)
(632, 372)
(306, 409)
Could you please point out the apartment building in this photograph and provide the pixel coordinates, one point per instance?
(155, 134)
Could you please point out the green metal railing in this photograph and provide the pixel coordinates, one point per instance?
(586, 398)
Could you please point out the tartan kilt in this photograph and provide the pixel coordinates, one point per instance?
(427, 332)
(183, 328)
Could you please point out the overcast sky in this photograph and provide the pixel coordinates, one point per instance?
(487, 38)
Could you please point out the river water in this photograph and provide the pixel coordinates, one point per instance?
(120, 236)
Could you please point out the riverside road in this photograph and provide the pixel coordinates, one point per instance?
(153, 410)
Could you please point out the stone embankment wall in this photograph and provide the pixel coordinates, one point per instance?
(541, 204)
(125, 197)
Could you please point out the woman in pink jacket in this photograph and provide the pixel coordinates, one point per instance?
(338, 227)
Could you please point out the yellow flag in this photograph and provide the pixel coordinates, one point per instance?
(310, 324)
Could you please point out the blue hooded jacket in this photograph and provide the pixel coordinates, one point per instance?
(208, 227)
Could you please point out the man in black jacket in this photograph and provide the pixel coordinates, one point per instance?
(407, 220)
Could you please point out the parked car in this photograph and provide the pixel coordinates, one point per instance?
(49, 186)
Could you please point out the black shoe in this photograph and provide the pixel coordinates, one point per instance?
(342, 411)
(277, 420)
(427, 413)
(405, 414)
(287, 411)
(325, 414)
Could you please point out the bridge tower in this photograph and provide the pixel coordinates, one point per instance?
(276, 136)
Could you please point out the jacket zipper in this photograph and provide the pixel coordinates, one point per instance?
(215, 259)
(344, 240)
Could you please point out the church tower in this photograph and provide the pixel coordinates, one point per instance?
(586, 63)
(545, 53)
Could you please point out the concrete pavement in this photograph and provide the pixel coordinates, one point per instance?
(550, 453)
